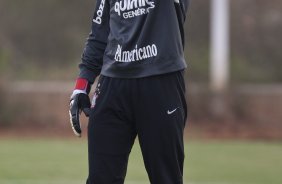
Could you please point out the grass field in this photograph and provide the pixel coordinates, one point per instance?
(214, 162)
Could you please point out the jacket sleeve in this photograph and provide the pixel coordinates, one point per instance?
(181, 7)
(92, 57)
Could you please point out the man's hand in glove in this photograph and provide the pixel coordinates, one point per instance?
(79, 102)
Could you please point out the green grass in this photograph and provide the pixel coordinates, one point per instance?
(65, 162)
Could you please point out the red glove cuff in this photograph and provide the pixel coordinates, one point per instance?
(81, 84)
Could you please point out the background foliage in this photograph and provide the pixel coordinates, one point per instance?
(50, 35)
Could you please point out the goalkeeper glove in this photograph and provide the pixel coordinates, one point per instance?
(79, 102)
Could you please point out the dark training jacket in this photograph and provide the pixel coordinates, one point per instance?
(135, 38)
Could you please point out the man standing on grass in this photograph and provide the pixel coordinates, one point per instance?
(136, 46)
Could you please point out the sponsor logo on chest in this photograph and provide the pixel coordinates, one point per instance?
(133, 8)
(136, 54)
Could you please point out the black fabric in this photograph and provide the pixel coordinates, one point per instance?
(134, 39)
(154, 108)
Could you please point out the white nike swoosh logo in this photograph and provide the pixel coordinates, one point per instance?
(171, 112)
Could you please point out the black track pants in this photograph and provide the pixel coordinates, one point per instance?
(154, 108)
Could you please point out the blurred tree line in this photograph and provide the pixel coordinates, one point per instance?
(44, 39)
